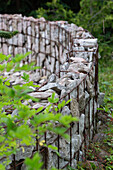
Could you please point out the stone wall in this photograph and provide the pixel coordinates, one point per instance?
(68, 57)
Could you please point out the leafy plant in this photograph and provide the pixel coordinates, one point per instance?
(15, 131)
(6, 34)
(25, 77)
(96, 16)
(109, 162)
(55, 11)
(35, 163)
(106, 83)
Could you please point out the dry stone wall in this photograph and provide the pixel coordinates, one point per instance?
(68, 57)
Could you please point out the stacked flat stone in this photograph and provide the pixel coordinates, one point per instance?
(65, 53)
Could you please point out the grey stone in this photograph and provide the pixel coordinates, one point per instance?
(52, 78)
(77, 60)
(63, 163)
(82, 102)
(64, 148)
(83, 69)
(38, 105)
(34, 77)
(57, 67)
(42, 26)
(101, 98)
(73, 94)
(72, 75)
(50, 137)
(81, 156)
(86, 96)
(10, 49)
(50, 64)
(48, 49)
(74, 108)
(17, 81)
(16, 74)
(52, 159)
(73, 67)
(66, 110)
(42, 58)
(86, 42)
(43, 79)
(28, 102)
(91, 110)
(66, 65)
(41, 95)
(63, 57)
(73, 84)
(76, 143)
(64, 94)
(81, 124)
(56, 87)
(86, 35)
(64, 81)
(27, 153)
(5, 49)
(33, 88)
(20, 42)
(90, 87)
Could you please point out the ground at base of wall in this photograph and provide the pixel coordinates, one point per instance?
(100, 152)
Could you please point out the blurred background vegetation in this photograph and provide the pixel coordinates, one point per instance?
(94, 15)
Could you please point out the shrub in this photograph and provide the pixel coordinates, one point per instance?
(15, 132)
(55, 11)
(97, 17)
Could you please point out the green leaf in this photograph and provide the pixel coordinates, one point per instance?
(10, 65)
(58, 153)
(40, 109)
(2, 67)
(52, 147)
(7, 83)
(34, 163)
(56, 100)
(2, 167)
(68, 101)
(25, 77)
(53, 96)
(52, 99)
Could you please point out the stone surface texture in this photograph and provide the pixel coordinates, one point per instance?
(67, 68)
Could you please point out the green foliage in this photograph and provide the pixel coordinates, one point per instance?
(8, 35)
(15, 131)
(109, 162)
(55, 11)
(52, 99)
(106, 82)
(96, 16)
(25, 77)
(2, 167)
(35, 163)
